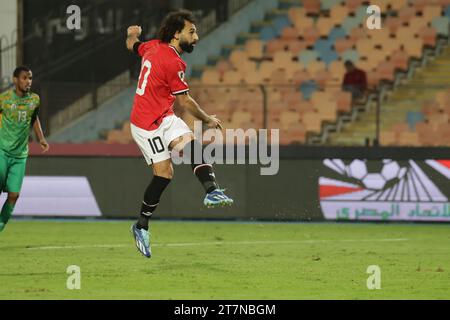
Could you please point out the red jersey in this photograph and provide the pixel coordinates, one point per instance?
(161, 78)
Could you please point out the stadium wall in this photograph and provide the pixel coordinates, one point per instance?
(299, 191)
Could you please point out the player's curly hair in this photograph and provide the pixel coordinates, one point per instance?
(174, 22)
(20, 69)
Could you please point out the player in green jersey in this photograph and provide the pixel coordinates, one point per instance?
(19, 109)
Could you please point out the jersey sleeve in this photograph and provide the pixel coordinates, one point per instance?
(175, 78)
(144, 46)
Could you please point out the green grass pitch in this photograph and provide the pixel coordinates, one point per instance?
(220, 260)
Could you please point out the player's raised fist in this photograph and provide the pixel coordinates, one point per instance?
(134, 30)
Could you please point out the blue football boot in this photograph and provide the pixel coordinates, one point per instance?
(217, 198)
(142, 240)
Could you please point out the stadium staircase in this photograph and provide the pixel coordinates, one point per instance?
(423, 82)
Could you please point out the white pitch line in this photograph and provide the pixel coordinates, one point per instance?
(214, 243)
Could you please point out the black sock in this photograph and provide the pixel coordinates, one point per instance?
(205, 175)
(151, 200)
(202, 170)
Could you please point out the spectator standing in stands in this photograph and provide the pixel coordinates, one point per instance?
(355, 80)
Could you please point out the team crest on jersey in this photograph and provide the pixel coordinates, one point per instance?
(13, 106)
(181, 75)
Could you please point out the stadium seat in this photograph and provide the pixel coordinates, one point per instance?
(289, 33)
(266, 69)
(268, 33)
(338, 13)
(330, 4)
(417, 23)
(441, 25)
(337, 33)
(301, 76)
(357, 34)
(279, 77)
(398, 4)
(275, 45)
(222, 66)
(308, 56)
(310, 35)
(254, 48)
(350, 23)
(312, 6)
(400, 59)
(419, 5)
(392, 23)
(232, 77)
(413, 117)
(337, 71)
(386, 70)
(303, 23)
(282, 58)
(388, 138)
(344, 101)
(312, 122)
(429, 12)
(322, 77)
(280, 23)
(295, 47)
(289, 119)
(351, 55)
(414, 48)
(296, 135)
(307, 88)
(426, 134)
(238, 57)
(324, 26)
(405, 14)
(327, 111)
(296, 14)
(428, 36)
(407, 138)
(210, 76)
(246, 67)
(342, 45)
(315, 66)
(447, 11)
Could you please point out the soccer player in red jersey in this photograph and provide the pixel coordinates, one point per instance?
(155, 128)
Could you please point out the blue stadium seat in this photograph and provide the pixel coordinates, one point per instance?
(349, 23)
(306, 56)
(351, 55)
(323, 44)
(337, 33)
(280, 23)
(308, 88)
(441, 25)
(324, 47)
(329, 56)
(412, 117)
(268, 33)
(361, 14)
(328, 4)
(447, 11)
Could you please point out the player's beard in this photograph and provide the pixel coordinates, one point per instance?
(186, 46)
